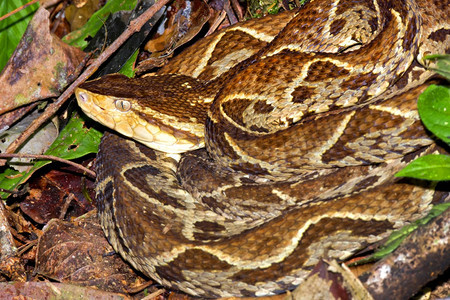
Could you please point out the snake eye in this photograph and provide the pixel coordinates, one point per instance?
(122, 105)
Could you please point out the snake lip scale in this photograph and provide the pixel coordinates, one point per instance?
(269, 145)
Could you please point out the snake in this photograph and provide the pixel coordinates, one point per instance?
(269, 145)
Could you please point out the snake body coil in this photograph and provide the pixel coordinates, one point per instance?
(300, 120)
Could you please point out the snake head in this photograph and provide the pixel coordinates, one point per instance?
(129, 106)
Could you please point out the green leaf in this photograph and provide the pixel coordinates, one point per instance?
(434, 110)
(12, 28)
(428, 167)
(74, 141)
(96, 21)
(128, 67)
(442, 64)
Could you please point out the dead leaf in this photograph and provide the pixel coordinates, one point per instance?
(39, 66)
(182, 22)
(78, 13)
(79, 253)
(49, 192)
(20, 224)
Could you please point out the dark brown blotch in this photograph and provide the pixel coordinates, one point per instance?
(234, 108)
(261, 107)
(142, 170)
(138, 177)
(258, 129)
(336, 26)
(209, 226)
(191, 260)
(439, 35)
(213, 203)
(105, 197)
(208, 230)
(410, 35)
(368, 182)
(148, 152)
(373, 23)
(358, 81)
(324, 70)
(254, 169)
(302, 92)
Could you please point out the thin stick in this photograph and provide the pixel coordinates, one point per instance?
(134, 26)
(65, 207)
(18, 9)
(153, 295)
(49, 157)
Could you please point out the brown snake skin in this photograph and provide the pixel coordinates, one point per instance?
(308, 115)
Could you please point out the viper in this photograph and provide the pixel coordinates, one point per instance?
(269, 145)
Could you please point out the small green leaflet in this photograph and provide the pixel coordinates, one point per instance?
(128, 67)
(434, 111)
(442, 64)
(429, 167)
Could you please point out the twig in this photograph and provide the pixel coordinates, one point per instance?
(16, 192)
(217, 21)
(153, 295)
(66, 205)
(135, 26)
(49, 157)
(139, 288)
(22, 249)
(237, 8)
(230, 13)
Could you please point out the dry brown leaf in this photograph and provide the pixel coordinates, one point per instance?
(183, 20)
(49, 192)
(39, 66)
(79, 253)
(78, 13)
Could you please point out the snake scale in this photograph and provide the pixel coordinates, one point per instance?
(283, 136)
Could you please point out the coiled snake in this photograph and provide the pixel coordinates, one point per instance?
(300, 121)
